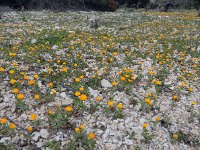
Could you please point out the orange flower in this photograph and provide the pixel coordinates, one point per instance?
(69, 108)
(110, 103)
(114, 83)
(83, 97)
(175, 97)
(64, 69)
(36, 76)
(122, 78)
(91, 136)
(145, 125)
(30, 128)
(31, 82)
(3, 120)
(157, 118)
(98, 98)
(20, 96)
(77, 93)
(12, 126)
(81, 77)
(33, 117)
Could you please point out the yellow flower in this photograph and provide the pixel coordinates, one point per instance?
(127, 76)
(98, 98)
(150, 94)
(77, 79)
(11, 72)
(20, 96)
(25, 77)
(77, 130)
(114, 83)
(1, 69)
(83, 97)
(91, 136)
(68, 108)
(114, 53)
(157, 118)
(36, 96)
(31, 82)
(3, 120)
(148, 100)
(12, 81)
(82, 126)
(50, 84)
(190, 89)
(75, 65)
(122, 78)
(145, 125)
(64, 69)
(194, 102)
(110, 59)
(175, 136)
(53, 91)
(22, 73)
(12, 126)
(36, 76)
(81, 89)
(30, 128)
(154, 80)
(175, 97)
(33, 117)
(77, 93)
(50, 112)
(110, 103)
(15, 90)
(158, 83)
(81, 77)
(120, 106)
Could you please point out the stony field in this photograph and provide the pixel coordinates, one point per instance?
(130, 83)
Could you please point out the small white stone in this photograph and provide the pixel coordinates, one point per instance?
(100, 72)
(128, 142)
(54, 47)
(35, 136)
(44, 133)
(2, 105)
(4, 139)
(93, 92)
(33, 41)
(121, 126)
(106, 83)
(39, 144)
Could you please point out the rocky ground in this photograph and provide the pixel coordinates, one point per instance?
(100, 80)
